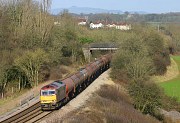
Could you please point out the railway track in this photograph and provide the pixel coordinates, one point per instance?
(32, 116)
(34, 113)
(29, 115)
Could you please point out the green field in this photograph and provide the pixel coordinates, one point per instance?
(172, 87)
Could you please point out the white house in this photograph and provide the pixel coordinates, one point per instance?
(111, 25)
(96, 25)
(57, 23)
(116, 25)
(123, 26)
(82, 22)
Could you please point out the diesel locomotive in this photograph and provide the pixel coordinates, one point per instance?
(53, 95)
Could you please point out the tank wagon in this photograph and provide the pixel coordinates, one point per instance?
(53, 95)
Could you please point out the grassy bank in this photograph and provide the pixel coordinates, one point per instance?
(110, 104)
(172, 87)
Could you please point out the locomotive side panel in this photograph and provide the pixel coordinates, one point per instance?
(61, 93)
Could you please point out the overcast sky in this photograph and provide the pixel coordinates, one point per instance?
(153, 6)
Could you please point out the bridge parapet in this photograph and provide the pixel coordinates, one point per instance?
(98, 46)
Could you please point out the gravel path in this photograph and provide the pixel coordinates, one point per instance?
(81, 99)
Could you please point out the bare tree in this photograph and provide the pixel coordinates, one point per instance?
(30, 63)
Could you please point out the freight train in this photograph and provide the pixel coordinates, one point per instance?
(53, 95)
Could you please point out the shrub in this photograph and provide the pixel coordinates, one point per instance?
(160, 65)
(114, 94)
(85, 40)
(158, 52)
(56, 73)
(116, 107)
(132, 59)
(119, 75)
(66, 61)
(146, 96)
(170, 103)
(66, 51)
(44, 73)
(111, 105)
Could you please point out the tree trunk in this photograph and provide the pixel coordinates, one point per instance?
(37, 78)
(19, 83)
(2, 95)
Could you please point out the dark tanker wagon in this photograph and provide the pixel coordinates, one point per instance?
(70, 85)
(58, 92)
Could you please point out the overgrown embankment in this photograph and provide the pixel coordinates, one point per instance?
(137, 60)
(110, 105)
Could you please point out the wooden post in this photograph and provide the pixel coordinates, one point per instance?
(12, 90)
(19, 83)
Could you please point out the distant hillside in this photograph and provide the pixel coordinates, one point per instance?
(96, 14)
(128, 17)
(86, 10)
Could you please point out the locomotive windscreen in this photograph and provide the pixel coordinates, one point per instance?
(47, 92)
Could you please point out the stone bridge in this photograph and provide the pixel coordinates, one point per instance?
(87, 49)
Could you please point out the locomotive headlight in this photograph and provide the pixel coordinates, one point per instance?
(54, 101)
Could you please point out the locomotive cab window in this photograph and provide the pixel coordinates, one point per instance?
(44, 93)
(51, 92)
(47, 92)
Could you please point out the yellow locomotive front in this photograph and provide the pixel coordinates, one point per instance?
(52, 95)
(48, 99)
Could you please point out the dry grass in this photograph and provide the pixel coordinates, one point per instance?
(117, 107)
(81, 116)
(109, 105)
(114, 93)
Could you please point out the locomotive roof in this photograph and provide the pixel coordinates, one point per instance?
(54, 85)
